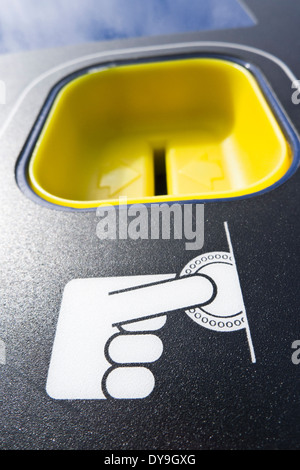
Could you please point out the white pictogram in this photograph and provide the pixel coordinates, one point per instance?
(105, 340)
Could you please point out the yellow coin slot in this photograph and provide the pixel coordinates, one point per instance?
(162, 131)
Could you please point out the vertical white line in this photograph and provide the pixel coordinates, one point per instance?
(250, 343)
(2, 353)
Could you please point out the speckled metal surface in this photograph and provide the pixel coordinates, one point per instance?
(208, 394)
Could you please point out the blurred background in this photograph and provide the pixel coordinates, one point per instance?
(36, 24)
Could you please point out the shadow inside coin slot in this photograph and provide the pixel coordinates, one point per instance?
(160, 175)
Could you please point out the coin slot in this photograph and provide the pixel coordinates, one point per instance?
(186, 129)
(160, 175)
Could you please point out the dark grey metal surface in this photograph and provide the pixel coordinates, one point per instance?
(208, 394)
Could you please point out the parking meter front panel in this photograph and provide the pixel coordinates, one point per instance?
(150, 241)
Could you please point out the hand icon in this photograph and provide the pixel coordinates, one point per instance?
(105, 333)
(106, 338)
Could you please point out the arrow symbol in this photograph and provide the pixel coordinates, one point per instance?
(202, 171)
(116, 177)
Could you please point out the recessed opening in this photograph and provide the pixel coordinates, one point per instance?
(160, 175)
(103, 136)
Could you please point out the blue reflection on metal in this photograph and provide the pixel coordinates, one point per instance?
(35, 24)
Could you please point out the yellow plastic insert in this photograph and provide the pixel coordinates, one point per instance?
(202, 125)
